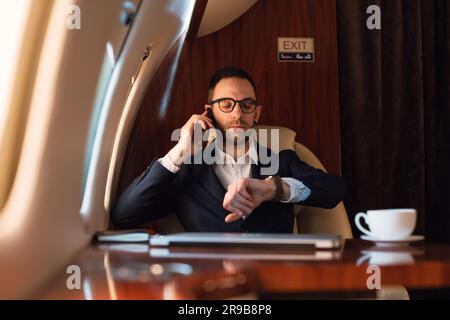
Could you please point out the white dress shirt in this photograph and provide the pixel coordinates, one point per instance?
(229, 171)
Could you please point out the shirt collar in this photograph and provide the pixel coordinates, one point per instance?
(251, 154)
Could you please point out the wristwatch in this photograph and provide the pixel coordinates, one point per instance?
(278, 187)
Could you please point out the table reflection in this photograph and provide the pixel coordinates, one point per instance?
(139, 271)
(389, 256)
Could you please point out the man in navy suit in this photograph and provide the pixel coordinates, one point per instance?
(232, 194)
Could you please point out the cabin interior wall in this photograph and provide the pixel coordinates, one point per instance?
(299, 95)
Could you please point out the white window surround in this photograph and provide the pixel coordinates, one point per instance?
(40, 223)
(14, 23)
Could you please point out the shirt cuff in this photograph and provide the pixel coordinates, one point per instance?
(167, 163)
(299, 192)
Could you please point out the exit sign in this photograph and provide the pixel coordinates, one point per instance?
(296, 49)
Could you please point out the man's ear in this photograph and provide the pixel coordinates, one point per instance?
(207, 106)
(258, 114)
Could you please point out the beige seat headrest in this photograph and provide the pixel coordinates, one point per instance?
(286, 137)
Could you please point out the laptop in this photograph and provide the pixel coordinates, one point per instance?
(246, 239)
(294, 255)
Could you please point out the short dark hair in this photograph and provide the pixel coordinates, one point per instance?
(228, 72)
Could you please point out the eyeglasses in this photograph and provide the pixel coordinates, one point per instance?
(227, 105)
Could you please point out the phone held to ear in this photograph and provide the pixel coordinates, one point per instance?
(211, 116)
(213, 134)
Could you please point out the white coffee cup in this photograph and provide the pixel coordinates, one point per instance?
(388, 224)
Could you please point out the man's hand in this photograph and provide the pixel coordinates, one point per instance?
(186, 147)
(245, 195)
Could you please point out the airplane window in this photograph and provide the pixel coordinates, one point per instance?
(13, 22)
(120, 22)
(102, 87)
(126, 115)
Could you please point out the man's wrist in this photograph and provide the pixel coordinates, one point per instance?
(176, 156)
(280, 191)
(272, 189)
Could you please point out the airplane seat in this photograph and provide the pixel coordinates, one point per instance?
(307, 219)
(319, 220)
(311, 220)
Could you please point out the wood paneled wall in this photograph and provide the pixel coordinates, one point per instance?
(301, 96)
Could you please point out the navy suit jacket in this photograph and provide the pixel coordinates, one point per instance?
(196, 195)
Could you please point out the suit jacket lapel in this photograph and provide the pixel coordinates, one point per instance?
(256, 171)
(212, 183)
(256, 168)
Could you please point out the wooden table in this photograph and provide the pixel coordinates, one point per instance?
(138, 271)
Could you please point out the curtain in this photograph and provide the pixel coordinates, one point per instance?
(395, 109)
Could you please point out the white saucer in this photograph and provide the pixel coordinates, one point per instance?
(393, 243)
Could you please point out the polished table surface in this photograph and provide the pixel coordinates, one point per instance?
(138, 271)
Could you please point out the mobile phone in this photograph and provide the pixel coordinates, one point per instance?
(213, 132)
(211, 116)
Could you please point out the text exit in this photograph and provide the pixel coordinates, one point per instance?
(296, 49)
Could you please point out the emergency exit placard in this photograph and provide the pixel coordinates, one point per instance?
(296, 49)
